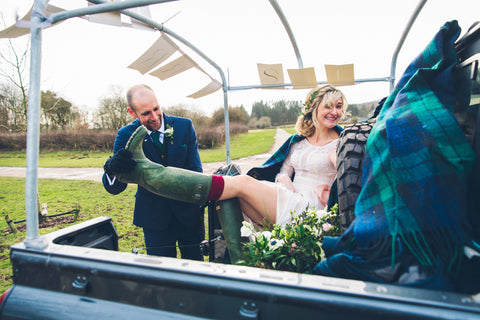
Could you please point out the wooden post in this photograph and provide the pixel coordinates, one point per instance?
(11, 224)
(42, 210)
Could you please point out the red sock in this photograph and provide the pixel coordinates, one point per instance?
(216, 189)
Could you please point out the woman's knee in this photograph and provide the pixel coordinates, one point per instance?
(246, 185)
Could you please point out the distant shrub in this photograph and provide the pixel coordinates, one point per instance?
(199, 119)
(262, 123)
(62, 140)
(13, 141)
(211, 137)
(237, 115)
(78, 140)
(102, 140)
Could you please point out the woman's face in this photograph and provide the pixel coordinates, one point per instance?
(329, 115)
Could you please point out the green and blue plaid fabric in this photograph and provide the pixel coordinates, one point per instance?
(416, 163)
(231, 169)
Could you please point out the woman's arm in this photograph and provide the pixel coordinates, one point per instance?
(285, 175)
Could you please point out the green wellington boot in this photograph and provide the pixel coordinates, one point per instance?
(183, 185)
(230, 218)
(169, 182)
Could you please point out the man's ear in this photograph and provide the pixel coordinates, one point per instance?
(132, 113)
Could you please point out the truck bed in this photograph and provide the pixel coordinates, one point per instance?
(80, 275)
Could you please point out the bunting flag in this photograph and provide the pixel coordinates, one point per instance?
(15, 31)
(213, 86)
(271, 74)
(179, 65)
(22, 27)
(164, 48)
(158, 52)
(302, 78)
(340, 75)
(117, 19)
(109, 18)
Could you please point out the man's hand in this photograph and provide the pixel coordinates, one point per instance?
(120, 162)
(322, 191)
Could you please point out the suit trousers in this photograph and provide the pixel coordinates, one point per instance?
(164, 242)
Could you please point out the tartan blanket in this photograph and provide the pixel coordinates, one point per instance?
(416, 163)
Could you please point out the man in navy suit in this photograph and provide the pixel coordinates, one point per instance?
(164, 221)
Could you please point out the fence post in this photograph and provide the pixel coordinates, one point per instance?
(11, 224)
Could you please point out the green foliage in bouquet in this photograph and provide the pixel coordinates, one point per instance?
(294, 247)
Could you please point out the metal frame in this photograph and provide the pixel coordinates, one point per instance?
(38, 21)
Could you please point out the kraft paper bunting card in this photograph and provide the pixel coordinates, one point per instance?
(340, 75)
(158, 52)
(302, 78)
(270, 74)
(175, 67)
(213, 86)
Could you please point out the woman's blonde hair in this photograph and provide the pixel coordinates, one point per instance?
(306, 122)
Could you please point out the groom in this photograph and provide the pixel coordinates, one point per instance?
(171, 141)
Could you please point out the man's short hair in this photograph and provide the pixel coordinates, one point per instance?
(132, 91)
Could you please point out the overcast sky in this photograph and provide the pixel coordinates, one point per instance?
(81, 60)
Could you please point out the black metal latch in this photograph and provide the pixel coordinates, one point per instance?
(249, 310)
(80, 284)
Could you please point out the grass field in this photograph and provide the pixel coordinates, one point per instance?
(65, 195)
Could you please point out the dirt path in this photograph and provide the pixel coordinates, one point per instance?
(95, 174)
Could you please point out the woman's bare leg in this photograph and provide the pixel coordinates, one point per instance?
(257, 199)
(252, 213)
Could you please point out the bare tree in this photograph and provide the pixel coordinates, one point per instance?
(14, 63)
(57, 113)
(12, 116)
(113, 113)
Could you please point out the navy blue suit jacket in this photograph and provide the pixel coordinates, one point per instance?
(152, 211)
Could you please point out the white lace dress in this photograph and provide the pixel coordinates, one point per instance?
(312, 167)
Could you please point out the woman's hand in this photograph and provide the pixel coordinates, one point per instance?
(322, 191)
(286, 181)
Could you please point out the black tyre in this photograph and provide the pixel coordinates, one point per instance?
(350, 152)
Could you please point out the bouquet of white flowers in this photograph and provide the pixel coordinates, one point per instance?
(293, 247)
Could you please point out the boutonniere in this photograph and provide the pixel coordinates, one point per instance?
(169, 133)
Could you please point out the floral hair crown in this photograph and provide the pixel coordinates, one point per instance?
(309, 103)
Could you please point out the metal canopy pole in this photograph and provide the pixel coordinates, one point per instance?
(102, 7)
(409, 25)
(37, 22)
(285, 23)
(260, 86)
(33, 240)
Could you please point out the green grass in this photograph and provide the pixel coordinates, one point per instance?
(56, 159)
(244, 145)
(64, 195)
(290, 129)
